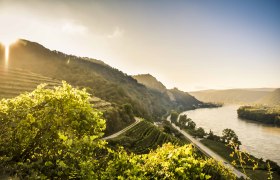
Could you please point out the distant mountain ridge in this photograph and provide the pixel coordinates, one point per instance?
(272, 98)
(233, 96)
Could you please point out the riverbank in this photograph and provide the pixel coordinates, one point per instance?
(262, 114)
(224, 151)
(262, 140)
(258, 139)
(208, 152)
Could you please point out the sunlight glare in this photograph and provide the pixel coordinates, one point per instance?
(7, 43)
(7, 52)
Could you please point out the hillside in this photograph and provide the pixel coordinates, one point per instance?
(179, 98)
(16, 81)
(99, 78)
(272, 98)
(231, 96)
(150, 82)
(143, 137)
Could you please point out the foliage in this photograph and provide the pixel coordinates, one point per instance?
(169, 129)
(241, 157)
(183, 119)
(55, 134)
(226, 152)
(167, 162)
(200, 132)
(273, 165)
(117, 117)
(191, 125)
(174, 116)
(213, 137)
(263, 114)
(229, 136)
(50, 133)
(188, 125)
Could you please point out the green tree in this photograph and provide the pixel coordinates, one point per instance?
(128, 110)
(213, 137)
(200, 132)
(191, 124)
(229, 136)
(174, 116)
(183, 120)
(210, 135)
(50, 133)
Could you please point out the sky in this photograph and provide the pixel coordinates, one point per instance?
(191, 45)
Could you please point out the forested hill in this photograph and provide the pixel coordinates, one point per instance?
(272, 98)
(99, 78)
(175, 95)
(150, 82)
(232, 96)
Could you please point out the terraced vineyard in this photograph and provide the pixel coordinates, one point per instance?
(16, 81)
(143, 137)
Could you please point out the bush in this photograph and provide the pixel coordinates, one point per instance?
(50, 133)
(167, 162)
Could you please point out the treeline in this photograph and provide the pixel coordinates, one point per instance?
(189, 126)
(263, 114)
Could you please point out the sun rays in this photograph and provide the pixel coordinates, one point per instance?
(7, 44)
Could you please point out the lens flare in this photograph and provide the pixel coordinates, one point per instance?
(7, 44)
(7, 53)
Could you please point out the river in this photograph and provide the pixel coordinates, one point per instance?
(257, 139)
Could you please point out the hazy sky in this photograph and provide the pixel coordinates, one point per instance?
(191, 45)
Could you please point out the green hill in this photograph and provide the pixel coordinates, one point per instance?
(99, 78)
(231, 96)
(272, 98)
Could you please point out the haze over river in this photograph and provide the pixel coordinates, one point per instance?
(257, 139)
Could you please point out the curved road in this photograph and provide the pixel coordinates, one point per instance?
(208, 152)
(137, 120)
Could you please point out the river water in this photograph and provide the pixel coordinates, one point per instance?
(257, 139)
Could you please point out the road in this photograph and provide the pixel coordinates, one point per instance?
(137, 120)
(208, 152)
